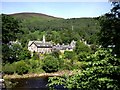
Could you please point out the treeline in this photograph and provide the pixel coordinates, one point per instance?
(23, 29)
(98, 66)
(23, 63)
(58, 30)
(16, 57)
(101, 69)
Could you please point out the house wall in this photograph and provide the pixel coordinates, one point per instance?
(44, 50)
(32, 48)
(62, 51)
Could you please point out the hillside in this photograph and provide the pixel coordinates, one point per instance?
(36, 16)
(56, 29)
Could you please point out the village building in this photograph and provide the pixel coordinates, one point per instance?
(63, 47)
(47, 47)
(14, 42)
(40, 46)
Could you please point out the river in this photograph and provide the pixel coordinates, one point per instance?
(32, 84)
(29, 83)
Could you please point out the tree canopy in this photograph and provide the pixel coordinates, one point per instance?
(110, 29)
(10, 28)
(10, 31)
(101, 72)
(101, 69)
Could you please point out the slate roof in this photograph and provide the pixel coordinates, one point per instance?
(62, 47)
(40, 43)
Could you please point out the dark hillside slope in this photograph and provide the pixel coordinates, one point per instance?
(56, 29)
(34, 21)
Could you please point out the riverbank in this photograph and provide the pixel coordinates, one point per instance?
(32, 75)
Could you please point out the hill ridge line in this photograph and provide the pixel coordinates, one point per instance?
(34, 13)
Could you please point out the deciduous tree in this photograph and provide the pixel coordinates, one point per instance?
(109, 35)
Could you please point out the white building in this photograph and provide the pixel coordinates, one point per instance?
(40, 46)
(47, 47)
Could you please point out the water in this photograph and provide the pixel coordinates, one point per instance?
(30, 84)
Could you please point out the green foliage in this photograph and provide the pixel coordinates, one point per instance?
(33, 26)
(56, 81)
(35, 56)
(57, 29)
(8, 68)
(93, 47)
(21, 67)
(102, 73)
(82, 56)
(66, 65)
(6, 56)
(10, 28)
(35, 66)
(15, 52)
(51, 64)
(62, 64)
(56, 54)
(81, 47)
(69, 54)
(77, 65)
(110, 29)
(25, 54)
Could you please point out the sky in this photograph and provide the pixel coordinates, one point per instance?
(59, 9)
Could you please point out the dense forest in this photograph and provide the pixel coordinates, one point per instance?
(96, 66)
(58, 30)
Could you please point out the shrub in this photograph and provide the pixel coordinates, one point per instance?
(21, 67)
(8, 68)
(69, 54)
(82, 56)
(77, 65)
(56, 54)
(35, 66)
(51, 64)
(38, 70)
(35, 56)
(81, 47)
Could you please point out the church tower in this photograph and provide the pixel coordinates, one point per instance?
(43, 38)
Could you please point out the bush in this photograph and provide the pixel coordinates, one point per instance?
(82, 56)
(77, 65)
(56, 54)
(67, 65)
(69, 54)
(8, 68)
(81, 47)
(25, 54)
(38, 70)
(35, 56)
(51, 64)
(21, 67)
(35, 66)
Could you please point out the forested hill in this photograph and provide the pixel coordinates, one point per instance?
(58, 30)
(27, 15)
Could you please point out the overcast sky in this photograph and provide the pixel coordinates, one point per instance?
(59, 9)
